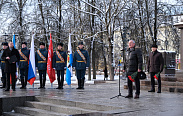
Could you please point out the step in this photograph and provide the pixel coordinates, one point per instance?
(57, 108)
(37, 112)
(13, 114)
(78, 104)
(178, 89)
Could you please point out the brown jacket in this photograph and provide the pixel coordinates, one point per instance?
(155, 62)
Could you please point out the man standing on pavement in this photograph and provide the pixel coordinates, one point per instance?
(3, 78)
(59, 63)
(23, 64)
(11, 56)
(133, 64)
(155, 67)
(41, 56)
(81, 62)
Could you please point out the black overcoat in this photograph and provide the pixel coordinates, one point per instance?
(10, 67)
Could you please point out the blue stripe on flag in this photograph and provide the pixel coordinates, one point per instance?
(30, 71)
(68, 76)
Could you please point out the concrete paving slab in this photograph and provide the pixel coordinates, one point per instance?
(149, 104)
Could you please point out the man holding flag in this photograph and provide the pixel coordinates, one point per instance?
(81, 62)
(41, 56)
(59, 63)
(23, 64)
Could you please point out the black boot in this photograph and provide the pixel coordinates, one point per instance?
(61, 83)
(82, 83)
(41, 85)
(25, 83)
(22, 82)
(79, 84)
(44, 82)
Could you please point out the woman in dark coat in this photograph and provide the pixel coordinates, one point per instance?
(10, 67)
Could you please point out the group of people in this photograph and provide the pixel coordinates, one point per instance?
(134, 62)
(10, 57)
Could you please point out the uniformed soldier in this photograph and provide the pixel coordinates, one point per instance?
(23, 64)
(81, 62)
(41, 56)
(3, 78)
(59, 63)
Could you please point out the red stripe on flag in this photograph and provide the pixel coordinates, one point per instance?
(31, 81)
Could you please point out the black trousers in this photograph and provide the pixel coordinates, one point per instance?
(42, 77)
(153, 81)
(24, 75)
(3, 79)
(60, 80)
(130, 86)
(13, 78)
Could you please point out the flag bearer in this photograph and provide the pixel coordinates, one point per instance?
(41, 56)
(23, 64)
(81, 62)
(59, 63)
(3, 78)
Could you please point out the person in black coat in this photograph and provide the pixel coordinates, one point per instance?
(133, 63)
(41, 56)
(11, 56)
(155, 65)
(59, 63)
(23, 64)
(3, 78)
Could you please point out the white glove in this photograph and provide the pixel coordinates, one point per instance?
(54, 68)
(73, 67)
(86, 67)
(65, 68)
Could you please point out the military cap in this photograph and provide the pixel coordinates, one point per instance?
(5, 43)
(24, 43)
(42, 43)
(60, 43)
(154, 46)
(80, 43)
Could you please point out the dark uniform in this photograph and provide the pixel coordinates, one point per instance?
(80, 62)
(41, 56)
(3, 78)
(10, 68)
(155, 65)
(132, 64)
(59, 63)
(23, 65)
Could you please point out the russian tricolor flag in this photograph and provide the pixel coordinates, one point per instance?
(13, 40)
(32, 66)
(69, 62)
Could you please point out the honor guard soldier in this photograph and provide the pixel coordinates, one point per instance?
(59, 63)
(3, 78)
(41, 63)
(81, 62)
(23, 64)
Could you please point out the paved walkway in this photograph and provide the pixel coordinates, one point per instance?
(149, 104)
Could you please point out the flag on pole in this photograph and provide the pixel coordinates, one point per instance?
(13, 40)
(50, 70)
(69, 62)
(32, 66)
